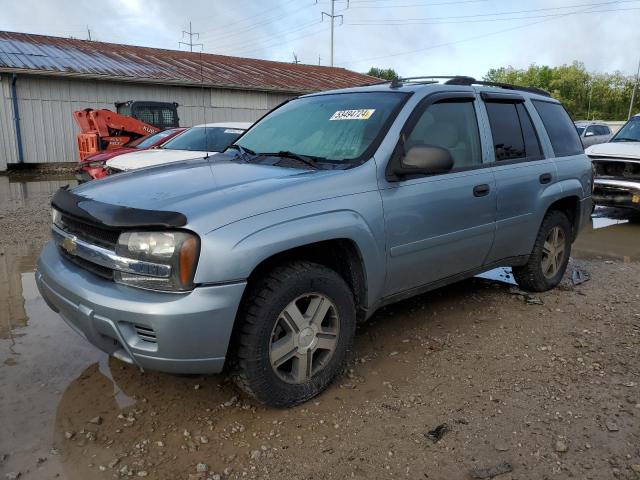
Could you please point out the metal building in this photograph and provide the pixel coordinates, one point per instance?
(44, 79)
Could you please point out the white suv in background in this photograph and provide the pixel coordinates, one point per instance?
(198, 141)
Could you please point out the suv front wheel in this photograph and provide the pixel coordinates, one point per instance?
(550, 256)
(298, 324)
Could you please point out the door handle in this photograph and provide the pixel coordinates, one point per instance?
(545, 178)
(481, 190)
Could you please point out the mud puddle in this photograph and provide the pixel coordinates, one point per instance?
(39, 357)
(22, 189)
(613, 234)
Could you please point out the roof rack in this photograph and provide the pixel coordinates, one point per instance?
(463, 80)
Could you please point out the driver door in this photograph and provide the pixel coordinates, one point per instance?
(441, 225)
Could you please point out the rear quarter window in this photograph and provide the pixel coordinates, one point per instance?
(561, 130)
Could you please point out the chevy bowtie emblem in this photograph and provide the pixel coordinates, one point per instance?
(70, 245)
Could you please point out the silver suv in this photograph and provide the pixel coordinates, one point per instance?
(262, 259)
(593, 133)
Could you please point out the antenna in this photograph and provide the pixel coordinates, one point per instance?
(190, 43)
(204, 107)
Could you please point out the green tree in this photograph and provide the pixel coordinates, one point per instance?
(383, 73)
(585, 94)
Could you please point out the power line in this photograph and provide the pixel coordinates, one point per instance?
(419, 4)
(475, 37)
(490, 20)
(251, 44)
(190, 43)
(249, 28)
(436, 20)
(244, 19)
(279, 42)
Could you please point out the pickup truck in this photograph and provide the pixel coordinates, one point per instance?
(260, 260)
(616, 167)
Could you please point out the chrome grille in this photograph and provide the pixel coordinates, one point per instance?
(90, 233)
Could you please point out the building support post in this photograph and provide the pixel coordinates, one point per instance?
(16, 119)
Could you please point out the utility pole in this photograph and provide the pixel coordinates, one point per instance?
(190, 43)
(633, 95)
(89, 32)
(590, 94)
(333, 17)
(295, 58)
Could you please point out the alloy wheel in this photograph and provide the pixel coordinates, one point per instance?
(304, 338)
(553, 252)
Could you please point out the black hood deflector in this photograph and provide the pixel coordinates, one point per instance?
(113, 216)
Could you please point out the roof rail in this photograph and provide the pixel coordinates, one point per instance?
(463, 80)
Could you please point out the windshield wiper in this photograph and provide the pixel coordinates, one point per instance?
(625, 139)
(242, 151)
(310, 161)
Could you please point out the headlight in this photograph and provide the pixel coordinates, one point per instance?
(179, 250)
(56, 218)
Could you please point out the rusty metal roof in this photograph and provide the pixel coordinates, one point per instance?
(40, 54)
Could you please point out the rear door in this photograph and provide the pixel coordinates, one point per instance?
(440, 225)
(590, 136)
(521, 171)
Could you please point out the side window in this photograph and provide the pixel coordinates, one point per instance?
(590, 131)
(531, 141)
(513, 133)
(602, 130)
(451, 125)
(562, 134)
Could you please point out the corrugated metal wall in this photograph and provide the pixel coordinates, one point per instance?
(46, 105)
(7, 131)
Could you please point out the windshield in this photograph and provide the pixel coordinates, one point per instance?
(150, 141)
(580, 130)
(630, 132)
(201, 139)
(332, 127)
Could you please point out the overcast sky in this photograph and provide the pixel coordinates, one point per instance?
(412, 36)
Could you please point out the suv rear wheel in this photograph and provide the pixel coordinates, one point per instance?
(298, 324)
(550, 256)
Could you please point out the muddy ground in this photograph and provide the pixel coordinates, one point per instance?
(549, 384)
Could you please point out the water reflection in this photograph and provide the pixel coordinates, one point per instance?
(19, 190)
(39, 357)
(613, 233)
(14, 262)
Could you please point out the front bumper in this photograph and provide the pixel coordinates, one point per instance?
(616, 193)
(170, 332)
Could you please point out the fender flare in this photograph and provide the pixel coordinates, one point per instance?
(257, 240)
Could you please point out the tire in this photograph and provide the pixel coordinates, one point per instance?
(276, 318)
(540, 273)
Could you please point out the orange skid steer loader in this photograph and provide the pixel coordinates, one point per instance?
(103, 129)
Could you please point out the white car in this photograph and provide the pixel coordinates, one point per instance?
(198, 141)
(616, 166)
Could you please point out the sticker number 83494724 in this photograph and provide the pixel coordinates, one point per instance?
(361, 114)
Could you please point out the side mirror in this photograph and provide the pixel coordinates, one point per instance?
(425, 160)
(590, 133)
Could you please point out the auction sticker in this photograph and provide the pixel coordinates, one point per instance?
(233, 130)
(362, 114)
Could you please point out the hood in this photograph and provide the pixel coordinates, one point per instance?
(212, 193)
(629, 150)
(108, 155)
(147, 158)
